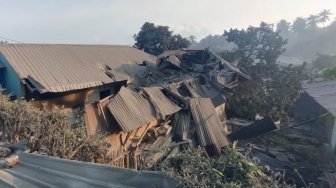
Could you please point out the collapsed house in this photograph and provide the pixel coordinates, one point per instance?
(181, 101)
(149, 107)
(68, 75)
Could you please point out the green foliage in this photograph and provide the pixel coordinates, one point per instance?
(49, 130)
(157, 39)
(231, 169)
(330, 73)
(324, 61)
(273, 89)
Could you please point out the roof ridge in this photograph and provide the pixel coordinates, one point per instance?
(64, 44)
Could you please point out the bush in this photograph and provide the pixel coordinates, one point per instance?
(231, 169)
(49, 130)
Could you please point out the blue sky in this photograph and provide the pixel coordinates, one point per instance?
(116, 21)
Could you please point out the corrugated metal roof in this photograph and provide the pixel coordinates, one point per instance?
(208, 125)
(162, 105)
(116, 76)
(207, 91)
(34, 171)
(181, 125)
(324, 93)
(257, 128)
(65, 67)
(131, 110)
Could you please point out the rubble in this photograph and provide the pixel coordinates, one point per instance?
(165, 110)
(180, 103)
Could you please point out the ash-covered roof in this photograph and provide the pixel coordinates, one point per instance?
(34, 170)
(65, 67)
(324, 93)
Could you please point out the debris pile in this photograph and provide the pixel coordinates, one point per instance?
(178, 104)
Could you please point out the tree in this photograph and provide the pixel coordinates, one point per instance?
(178, 42)
(324, 16)
(312, 21)
(324, 61)
(273, 89)
(192, 39)
(283, 27)
(157, 39)
(299, 25)
(330, 73)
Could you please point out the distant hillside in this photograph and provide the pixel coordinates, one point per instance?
(306, 39)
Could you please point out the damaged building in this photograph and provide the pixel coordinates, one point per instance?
(68, 75)
(149, 107)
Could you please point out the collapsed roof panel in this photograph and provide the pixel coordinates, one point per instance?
(208, 125)
(131, 110)
(117, 76)
(181, 125)
(162, 105)
(36, 171)
(255, 129)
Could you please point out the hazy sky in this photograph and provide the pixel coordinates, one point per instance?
(116, 21)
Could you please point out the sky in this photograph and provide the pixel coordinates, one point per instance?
(116, 21)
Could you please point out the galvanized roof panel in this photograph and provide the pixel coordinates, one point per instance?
(36, 171)
(181, 125)
(116, 76)
(131, 110)
(255, 129)
(162, 104)
(324, 93)
(206, 91)
(64, 67)
(208, 125)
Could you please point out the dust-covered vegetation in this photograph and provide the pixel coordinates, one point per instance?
(273, 88)
(49, 131)
(233, 168)
(307, 36)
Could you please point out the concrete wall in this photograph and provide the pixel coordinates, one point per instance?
(12, 81)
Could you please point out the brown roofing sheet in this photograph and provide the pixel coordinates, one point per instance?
(64, 67)
(208, 125)
(130, 109)
(160, 102)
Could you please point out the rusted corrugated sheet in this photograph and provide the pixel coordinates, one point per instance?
(257, 128)
(209, 131)
(131, 110)
(65, 67)
(181, 125)
(162, 105)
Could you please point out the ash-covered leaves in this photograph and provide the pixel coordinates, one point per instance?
(49, 130)
(232, 169)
